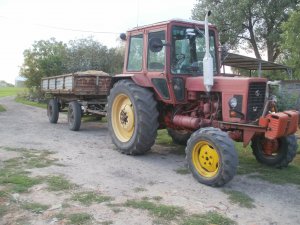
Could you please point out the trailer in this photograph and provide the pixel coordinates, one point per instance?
(83, 92)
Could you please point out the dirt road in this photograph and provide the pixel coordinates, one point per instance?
(92, 162)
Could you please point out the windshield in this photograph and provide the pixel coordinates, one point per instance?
(188, 50)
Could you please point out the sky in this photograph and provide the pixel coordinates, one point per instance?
(23, 22)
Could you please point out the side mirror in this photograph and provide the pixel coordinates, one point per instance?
(123, 37)
(155, 44)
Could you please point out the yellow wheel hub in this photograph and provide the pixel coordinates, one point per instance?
(123, 117)
(205, 159)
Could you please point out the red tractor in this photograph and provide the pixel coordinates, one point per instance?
(172, 80)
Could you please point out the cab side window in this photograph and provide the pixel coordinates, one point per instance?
(156, 60)
(135, 56)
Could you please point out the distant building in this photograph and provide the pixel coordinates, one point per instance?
(20, 81)
(5, 84)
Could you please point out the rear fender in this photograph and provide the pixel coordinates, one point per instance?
(139, 79)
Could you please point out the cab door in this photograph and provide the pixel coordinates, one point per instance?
(156, 67)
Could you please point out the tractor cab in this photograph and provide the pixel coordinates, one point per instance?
(163, 55)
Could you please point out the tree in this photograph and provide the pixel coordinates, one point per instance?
(50, 58)
(290, 41)
(45, 58)
(88, 54)
(255, 23)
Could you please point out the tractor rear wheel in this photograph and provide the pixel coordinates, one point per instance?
(179, 136)
(74, 116)
(53, 111)
(132, 117)
(278, 153)
(211, 156)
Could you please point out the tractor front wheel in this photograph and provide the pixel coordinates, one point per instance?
(211, 156)
(278, 153)
(132, 117)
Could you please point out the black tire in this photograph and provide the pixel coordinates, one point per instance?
(52, 111)
(141, 106)
(179, 136)
(287, 150)
(211, 149)
(74, 116)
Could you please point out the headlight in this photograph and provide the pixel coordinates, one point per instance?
(233, 102)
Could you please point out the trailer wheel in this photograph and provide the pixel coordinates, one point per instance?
(179, 136)
(53, 111)
(211, 156)
(132, 117)
(278, 153)
(74, 116)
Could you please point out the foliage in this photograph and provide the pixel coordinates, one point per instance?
(290, 42)
(51, 57)
(88, 54)
(45, 58)
(287, 101)
(255, 23)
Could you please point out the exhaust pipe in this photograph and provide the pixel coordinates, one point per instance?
(208, 75)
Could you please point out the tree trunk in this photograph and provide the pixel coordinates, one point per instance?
(252, 36)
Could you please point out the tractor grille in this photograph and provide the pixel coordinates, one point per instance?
(256, 100)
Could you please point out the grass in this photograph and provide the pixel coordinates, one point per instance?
(164, 213)
(79, 218)
(94, 118)
(249, 166)
(34, 207)
(208, 218)
(88, 198)
(3, 210)
(59, 183)
(10, 91)
(31, 103)
(158, 210)
(13, 174)
(182, 171)
(240, 198)
(31, 158)
(163, 138)
(17, 182)
(139, 189)
(2, 109)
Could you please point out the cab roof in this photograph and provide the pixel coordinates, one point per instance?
(192, 22)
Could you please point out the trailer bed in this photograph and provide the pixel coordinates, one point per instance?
(79, 84)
